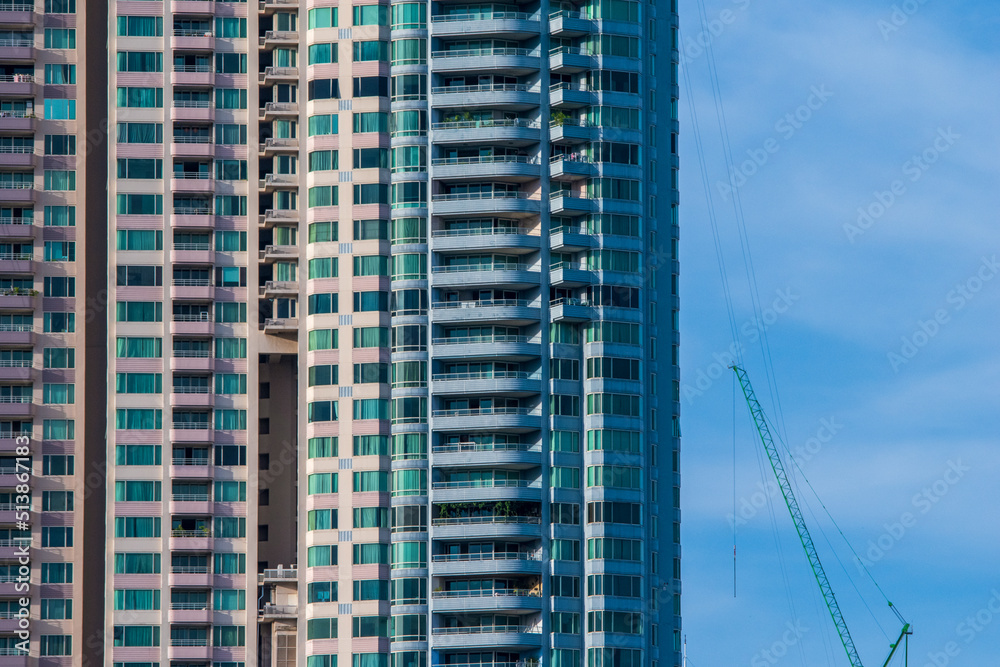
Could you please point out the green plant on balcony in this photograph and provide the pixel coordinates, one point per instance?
(559, 118)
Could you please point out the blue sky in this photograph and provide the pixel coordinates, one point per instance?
(885, 350)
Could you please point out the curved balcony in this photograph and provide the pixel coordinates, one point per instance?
(508, 96)
(518, 420)
(511, 25)
(511, 311)
(485, 203)
(491, 636)
(485, 238)
(508, 383)
(564, 23)
(570, 274)
(188, 110)
(513, 61)
(463, 492)
(496, 563)
(509, 132)
(514, 527)
(510, 348)
(511, 600)
(514, 276)
(517, 168)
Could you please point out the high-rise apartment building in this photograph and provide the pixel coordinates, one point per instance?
(365, 355)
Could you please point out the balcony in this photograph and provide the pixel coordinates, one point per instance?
(571, 131)
(191, 540)
(518, 455)
(192, 253)
(190, 612)
(192, 289)
(191, 468)
(570, 274)
(273, 38)
(508, 132)
(192, 75)
(570, 24)
(571, 95)
(485, 203)
(510, 348)
(512, 600)
(508, 383)
(278, 611)
(271, 6)
(17, 85)
(518, 168)
(570, 310)
(569, 60)
(16, 228)
(571, 167)
(275, 110)
(192, 146)
(510, 311)
(189, 397)
(17, 49)
(507, 96)
(192, 182)
(496, 563)
(17, 13)
(192, 40)
(273, 75)
(17, 192)
(17, 121)
(513, 61)
(278, 575)
(273, 181)
(15, 407)
(191, 432)
(508, 274)
(564, 203)
(281, 325)
(485, 238)
(497, 490)
(278, 288)
(192, 217)
(192, 110)
(510, 25)
(487, 636)
(192, 7)
(17, 299)
(273, 216)
(18, 370)
(566, 238)
(275, 145)
(518, 420)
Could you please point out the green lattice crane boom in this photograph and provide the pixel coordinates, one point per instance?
(800, 525)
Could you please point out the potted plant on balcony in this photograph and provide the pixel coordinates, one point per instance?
(559, 118)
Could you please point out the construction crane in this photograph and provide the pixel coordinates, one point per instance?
(807, 543)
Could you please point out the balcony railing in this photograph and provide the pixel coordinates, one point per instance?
(487, 484)
(485, 159)
(483, 88)
(15, 399)
(453, 447)
(479, 231)
(192, 139)
(16, 43)
(466, 196)
(490, 593)
(19, 150)
(191, 104)
(466, 340)
(190, 497)
(487, 122)
(15, 256)
(192, 282)
(192, 390)
(192, 210)
(466, 53)
(193, 68)
(488, 375)
(193, 246)
(482, 304)
(198, 641)
(192, 175)
(187, 32)
(496, 555)
(478, 412)
(10, 220)
(9, 6)
(461, 268)
(192, 354)
(191, 533)
(487, 629)
(191, 426)
(279, 609)
(190, 569)
(189, 606)
(15, 363)
(20, 185)
(189, 461)
(484, 16)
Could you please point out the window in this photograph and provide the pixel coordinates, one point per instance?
(370, 626)
(323, 303)
(60, 109)
(565, 478)
(139, 239)
(322, 17)
(133, 97)
(321, 628)
(60, 216)
(140, 61)
(409, 16)
(60, 6)
(321, 556)
(136, 204)
(59, 286)
(409, 51)
(230, 63)
(59, 180)
(55, 645)
(323, 267)
(371, 50)
(325, 124)
(322, 411)
(322, 53)
(140, 26)
(323, 195)
(60, 144)
(60, 38)
(324, 89)
(371, 15)
(371, 86)
(322, 447)
(371, 265)
(59, 251)
(324, 160)
(372, 121)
